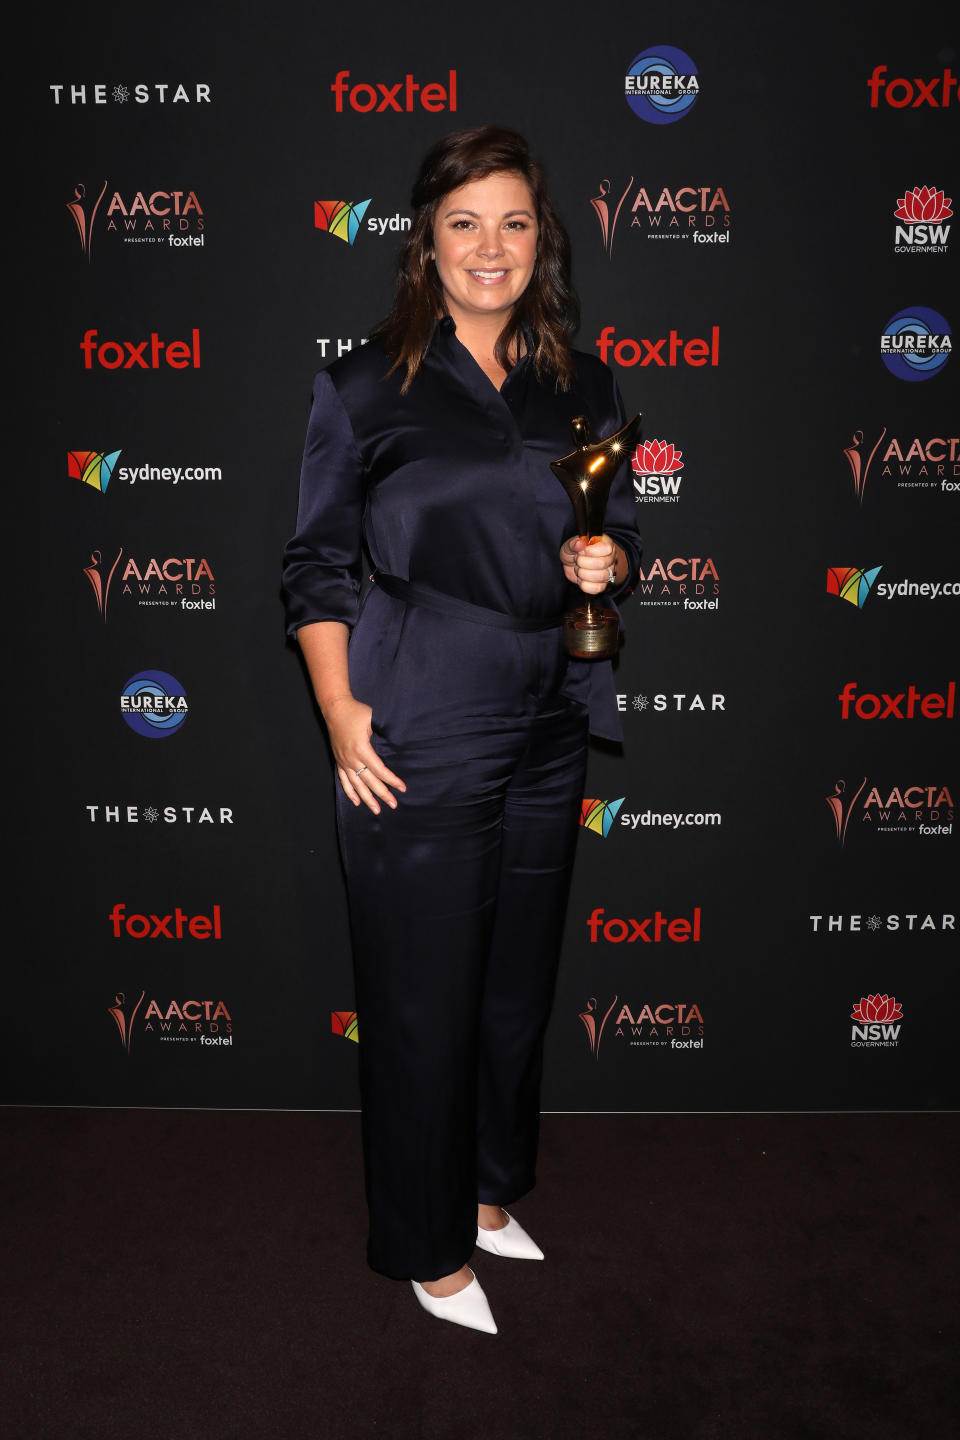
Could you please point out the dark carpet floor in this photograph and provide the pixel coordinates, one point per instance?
(185, 1275)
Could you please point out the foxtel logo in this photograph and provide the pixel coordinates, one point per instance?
(933, 706)
(628, 352)
(650, 930)
(126, 355)
(153, 927)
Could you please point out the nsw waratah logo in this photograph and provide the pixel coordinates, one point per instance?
(849, 583)
(920, 213)
(599, 815)
(153, 704)
(92, 467)
(877, 1024)
(662, 85)
(916, 343)
(655, 466)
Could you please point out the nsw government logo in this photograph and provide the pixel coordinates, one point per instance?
(877, 1024)
(655, 465)
(920, 213)
(916, 343)
(662, 85)
(153, 704)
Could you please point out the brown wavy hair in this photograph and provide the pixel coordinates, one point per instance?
(545, 316)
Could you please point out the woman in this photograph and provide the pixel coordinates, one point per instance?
(457, 723)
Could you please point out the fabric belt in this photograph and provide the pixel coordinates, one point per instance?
(412, 594)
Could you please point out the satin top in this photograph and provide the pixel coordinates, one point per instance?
(450, 486)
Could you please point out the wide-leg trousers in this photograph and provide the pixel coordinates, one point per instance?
(457, 903)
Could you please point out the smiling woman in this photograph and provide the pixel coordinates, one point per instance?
(457, 721)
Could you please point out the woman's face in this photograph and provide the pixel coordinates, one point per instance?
(485, 246)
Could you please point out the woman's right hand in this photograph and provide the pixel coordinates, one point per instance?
(364, 776)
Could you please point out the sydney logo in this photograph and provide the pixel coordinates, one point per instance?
(599, 815)
(849, 583)
(92, 467)
(341, 218)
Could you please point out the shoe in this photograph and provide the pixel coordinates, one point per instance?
(510, 1240)
(468, 1307)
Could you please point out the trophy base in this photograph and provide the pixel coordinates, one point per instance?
(591, 633)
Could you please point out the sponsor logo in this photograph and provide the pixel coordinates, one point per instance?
(344, 1022)
(673, 1025)
(916, 343)
(96, 469)
(872, 924)
(344, 343)
(177, 926)
(690, 583)
(200, 1022)
(344, 219)
(679, 702)
(668, 352)
(700, 213)
(891, 809)
(406, 95)
(650, 930)
(662, 85)
(921, 212)
(877, 1026)
(599, 815)
(93, 467)
(902, 94)
(917, 464)
(907, 705)
(167, 93)
(848, 583)
(100, 579)
(83, 211)
(153, 704)
(154, 814)
(655, 464)
(150, 354)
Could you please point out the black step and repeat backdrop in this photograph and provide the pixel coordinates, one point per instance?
(207, 209)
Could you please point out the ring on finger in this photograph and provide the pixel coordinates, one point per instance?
(360, 771)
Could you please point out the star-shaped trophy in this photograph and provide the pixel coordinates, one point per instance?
(591, 630)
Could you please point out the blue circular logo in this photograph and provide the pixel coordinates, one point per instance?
(153, 703)
(662, 85)
(916, 343)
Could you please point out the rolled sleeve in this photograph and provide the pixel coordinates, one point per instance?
(322, 563)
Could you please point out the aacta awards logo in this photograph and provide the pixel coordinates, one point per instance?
(153, 704)
(877, 1026)
(924, 208)
(915, 464)
(689, 582)
(203, 1022)
(903, 94)
(171, 217)
(662, 85)
(916, 343)
(655, 465)
(670, 1025)
(344, 1022)
(184, 583)
(599, 815)
(670, 213)
(344, 219)
(150, 354)
(921, 810)
(909, 704)
(849, 583)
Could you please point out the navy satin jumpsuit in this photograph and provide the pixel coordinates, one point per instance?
(457, 897)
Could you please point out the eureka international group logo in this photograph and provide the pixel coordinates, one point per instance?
(916, 343)
(153, 704)
(662, 85)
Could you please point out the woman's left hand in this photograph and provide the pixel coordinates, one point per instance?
(589, 565)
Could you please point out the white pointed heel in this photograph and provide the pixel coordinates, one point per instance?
(511, 1240)
(468, 1307)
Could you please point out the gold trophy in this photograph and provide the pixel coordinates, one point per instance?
(591, 630)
